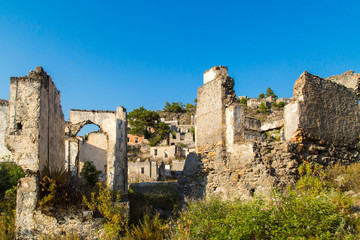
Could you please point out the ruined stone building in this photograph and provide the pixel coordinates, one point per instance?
(235, 156)
(35, 136)
(239, 153)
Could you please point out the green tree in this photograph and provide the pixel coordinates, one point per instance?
(261, 96)
(270, 93)
(147, 123)
(174, 107)
(189, 106)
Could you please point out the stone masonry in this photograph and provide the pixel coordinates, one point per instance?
(35, 136)
(113, 125)
(234, 156)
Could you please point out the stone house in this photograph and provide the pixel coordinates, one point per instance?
(143, 171)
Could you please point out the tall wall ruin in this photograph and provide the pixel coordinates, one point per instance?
(114, 125)
(35, 136)
(235, 158)
(35, 132)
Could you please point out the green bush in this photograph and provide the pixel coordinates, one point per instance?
(192, 130)
(90, 174)
(309, 210)
(243, 101)
(10, 173)
(262, 108)
(7, 225)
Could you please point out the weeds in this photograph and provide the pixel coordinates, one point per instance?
(114, 212)
(150, 228)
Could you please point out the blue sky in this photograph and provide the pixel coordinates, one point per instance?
(103, 54)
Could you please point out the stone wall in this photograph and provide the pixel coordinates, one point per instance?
(113, 125)
(323, 110)
(35, 136)
(322, 125)
(5, 154)
(216, 93)
(35, 132)
(348, 79)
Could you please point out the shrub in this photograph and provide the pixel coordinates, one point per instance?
(281, 104)
(262, 108)
(309, 210)
(7, 214)
(53, 187)
(115, 213)
(173, 133)
(90, 174)
(243, 101)
(10, 173)
(192, 130)
(7, 225)
(150, 228)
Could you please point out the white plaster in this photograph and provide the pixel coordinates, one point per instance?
(214, 73)
(292, 118)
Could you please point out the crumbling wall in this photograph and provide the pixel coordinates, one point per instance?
(113, 124)
(5, 154)
(216, 93)
(321, 125)
(35, 136)
(348, 79)
(35, 132)
(323, 110)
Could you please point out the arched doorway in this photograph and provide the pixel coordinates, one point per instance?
(93, 147)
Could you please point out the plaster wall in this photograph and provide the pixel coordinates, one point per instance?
(5, 154)
(94, 149)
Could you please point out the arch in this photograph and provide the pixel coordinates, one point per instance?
(113, 125)
(93, 147)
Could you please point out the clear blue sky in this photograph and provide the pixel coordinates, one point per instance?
(102, 54)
